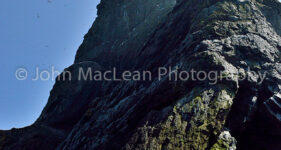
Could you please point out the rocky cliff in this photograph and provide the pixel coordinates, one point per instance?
(242, 110)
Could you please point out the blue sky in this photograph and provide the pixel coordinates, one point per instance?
(37, 33)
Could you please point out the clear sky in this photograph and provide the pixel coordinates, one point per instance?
(37, 33)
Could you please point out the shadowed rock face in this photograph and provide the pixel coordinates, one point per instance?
(234, 37)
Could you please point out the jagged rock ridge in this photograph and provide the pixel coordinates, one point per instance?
(231, 36)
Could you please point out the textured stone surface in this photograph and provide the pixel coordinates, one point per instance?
(225, 141)
(234, 37)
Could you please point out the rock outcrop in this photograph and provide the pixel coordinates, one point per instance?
(241, 109)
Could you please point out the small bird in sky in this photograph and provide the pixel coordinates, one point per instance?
(49, 1)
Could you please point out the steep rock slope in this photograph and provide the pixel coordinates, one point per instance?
(238, 38)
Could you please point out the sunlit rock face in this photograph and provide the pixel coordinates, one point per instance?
(238, 38)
